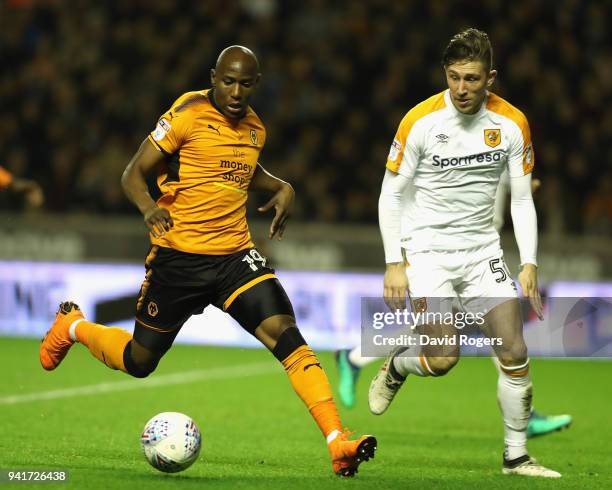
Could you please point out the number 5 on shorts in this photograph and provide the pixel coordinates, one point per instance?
(497, 268)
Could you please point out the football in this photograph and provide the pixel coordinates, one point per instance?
(171, 442)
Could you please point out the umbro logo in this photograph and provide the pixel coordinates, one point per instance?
(442, 138)
(210, 126)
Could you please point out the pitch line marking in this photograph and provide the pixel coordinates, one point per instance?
(243, 370)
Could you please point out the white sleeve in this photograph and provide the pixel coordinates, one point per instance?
(405, 151)
(501, 196)
(390, 214)
(524, 219)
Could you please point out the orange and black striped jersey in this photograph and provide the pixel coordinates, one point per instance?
(210, 161)
(5, 178)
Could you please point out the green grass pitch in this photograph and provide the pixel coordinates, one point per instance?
(439, 433)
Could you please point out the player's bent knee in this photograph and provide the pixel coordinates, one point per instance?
(442, 365)
(140, 363)
(276, 325)
(516, 355)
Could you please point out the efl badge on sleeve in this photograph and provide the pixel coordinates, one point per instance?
(492, 137)
(161, 129)
(528, 159)
(396, 147)
(253, 136)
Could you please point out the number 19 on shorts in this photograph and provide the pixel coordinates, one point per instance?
(252, 258)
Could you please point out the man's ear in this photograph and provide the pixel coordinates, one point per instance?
(491, 78)
(212, 77)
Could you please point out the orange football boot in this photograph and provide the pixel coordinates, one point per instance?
(57, 341)
(348, 455)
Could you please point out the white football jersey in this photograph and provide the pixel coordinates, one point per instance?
(455, 162)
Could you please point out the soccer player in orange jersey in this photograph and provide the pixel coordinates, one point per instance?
(205, 152)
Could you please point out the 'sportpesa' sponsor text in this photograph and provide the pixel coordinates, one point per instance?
(486, 157)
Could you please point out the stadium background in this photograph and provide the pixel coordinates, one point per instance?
(83, 82)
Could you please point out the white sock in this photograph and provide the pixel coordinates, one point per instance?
(409, 362)
(72, 329)
(356, 359)
(514, 398)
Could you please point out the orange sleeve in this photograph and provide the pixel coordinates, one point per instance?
(172, 127)
(5, 178)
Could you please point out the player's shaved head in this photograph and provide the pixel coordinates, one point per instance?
(238, 54)
(234, 79)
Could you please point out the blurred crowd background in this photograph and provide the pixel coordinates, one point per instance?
(83, 82)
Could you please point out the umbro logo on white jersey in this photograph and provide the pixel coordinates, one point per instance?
(442, 138)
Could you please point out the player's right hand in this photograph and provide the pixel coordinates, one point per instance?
(395, 286)
(158, 221)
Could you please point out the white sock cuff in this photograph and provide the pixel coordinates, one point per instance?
(72, 329)
(429, 370)
(514, 368)
(332, 435)
(406, 365)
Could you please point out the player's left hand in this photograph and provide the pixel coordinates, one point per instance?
(528, 279)
(282, 202)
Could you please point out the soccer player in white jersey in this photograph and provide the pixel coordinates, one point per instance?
(350, 361)
(436, 218)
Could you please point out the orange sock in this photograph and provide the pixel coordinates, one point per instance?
(310, 383)
(105, 343)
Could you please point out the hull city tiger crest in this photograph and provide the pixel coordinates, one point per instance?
(492, 137)
(253, 136)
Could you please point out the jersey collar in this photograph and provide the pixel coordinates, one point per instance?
(466, 117)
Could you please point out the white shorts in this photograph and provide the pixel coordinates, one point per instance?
(475, 280)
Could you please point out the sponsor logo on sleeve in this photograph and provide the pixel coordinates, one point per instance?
(396, 147)
(161, 129)
(492, 137)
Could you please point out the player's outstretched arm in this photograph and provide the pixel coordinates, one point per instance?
(134, 184)
(389, 218)
(281, 201)
(525, 225)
